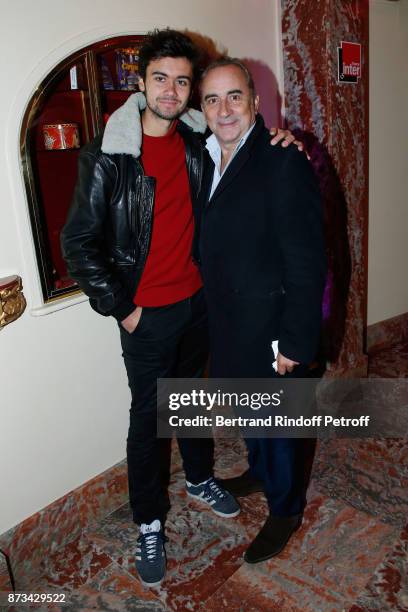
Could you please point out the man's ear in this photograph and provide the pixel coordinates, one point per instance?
(141, 84)
(256, 103)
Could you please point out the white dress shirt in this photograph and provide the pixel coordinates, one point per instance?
(215, 152)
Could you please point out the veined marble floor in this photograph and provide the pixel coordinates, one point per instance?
(351, 552)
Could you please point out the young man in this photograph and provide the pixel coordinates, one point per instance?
(262, 257)
(127, 242)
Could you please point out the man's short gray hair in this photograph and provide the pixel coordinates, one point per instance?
(231, 61)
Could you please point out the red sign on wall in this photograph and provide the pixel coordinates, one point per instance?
(349, 57)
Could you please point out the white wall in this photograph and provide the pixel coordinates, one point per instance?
(388, 199)
(63, 390)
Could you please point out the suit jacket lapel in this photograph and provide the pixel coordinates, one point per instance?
(239, 160)
(233, 169)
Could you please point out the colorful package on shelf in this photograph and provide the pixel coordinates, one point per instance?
(107, 80)
(76, 75)
(127, 65)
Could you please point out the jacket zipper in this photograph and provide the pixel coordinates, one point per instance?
(135, 197)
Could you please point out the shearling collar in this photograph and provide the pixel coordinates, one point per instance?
(123, 132)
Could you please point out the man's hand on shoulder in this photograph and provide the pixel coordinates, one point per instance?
(285, 137)
(132, 320)
(284, 364)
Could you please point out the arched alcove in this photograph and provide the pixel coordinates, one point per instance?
(67, 110)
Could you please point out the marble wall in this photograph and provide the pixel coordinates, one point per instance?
(332, 118)
(388, 333)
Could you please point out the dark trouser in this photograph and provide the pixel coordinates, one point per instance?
(169, 341)
(280, 463)
(241, 333)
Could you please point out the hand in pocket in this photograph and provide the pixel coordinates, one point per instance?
(132, 320)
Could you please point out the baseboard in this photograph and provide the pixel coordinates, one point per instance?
(29, 543)
(387, 333)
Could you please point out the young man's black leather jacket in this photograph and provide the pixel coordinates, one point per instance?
(106, 238)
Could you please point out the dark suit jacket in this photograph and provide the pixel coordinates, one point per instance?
(260, 242)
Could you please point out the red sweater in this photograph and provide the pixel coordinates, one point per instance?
(169, 274)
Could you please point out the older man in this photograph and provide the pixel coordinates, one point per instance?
(261, 251)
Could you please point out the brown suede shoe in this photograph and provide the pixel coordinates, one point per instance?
(272, 538)
(242, 485)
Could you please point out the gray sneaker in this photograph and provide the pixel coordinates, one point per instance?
(211, 493)
(150, 554)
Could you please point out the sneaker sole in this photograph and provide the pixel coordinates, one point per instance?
(151, 584)
(223, 514)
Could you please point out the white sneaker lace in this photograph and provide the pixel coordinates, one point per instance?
(150, 542)
(213, 489)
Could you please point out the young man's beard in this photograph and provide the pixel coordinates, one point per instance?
(169, 115)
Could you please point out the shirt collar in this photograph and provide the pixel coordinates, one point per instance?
(214, 148)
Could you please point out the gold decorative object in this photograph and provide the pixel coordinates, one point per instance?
(12, 300)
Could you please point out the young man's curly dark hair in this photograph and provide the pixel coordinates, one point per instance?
(167, 43)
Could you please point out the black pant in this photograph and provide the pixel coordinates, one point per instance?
(169, 341)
